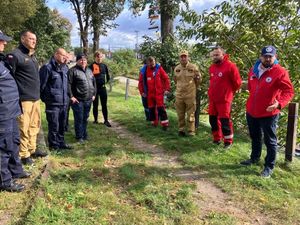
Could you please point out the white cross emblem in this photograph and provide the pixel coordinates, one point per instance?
(268, 79)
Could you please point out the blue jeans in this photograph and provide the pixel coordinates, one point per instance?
(266, 126)
(81, 113)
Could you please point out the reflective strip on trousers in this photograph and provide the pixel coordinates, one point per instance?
(228, 136)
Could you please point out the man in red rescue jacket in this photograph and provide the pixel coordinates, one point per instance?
(154, 83)
(224, 81)
(270, 90)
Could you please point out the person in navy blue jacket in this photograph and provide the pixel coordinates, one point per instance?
(10, 163)
(54, 93)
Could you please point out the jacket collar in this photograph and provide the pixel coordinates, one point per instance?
(257, 64)
(2, 56)
(24, 49)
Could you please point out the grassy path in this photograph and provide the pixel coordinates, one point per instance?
(209, 198)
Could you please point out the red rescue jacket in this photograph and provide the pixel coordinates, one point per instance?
(224, 81)
(157, 82)
(273, 84)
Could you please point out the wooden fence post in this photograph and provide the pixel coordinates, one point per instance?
(111, 81)
(291, 135)
(127, 89)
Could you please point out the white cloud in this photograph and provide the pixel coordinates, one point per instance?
(124, 36)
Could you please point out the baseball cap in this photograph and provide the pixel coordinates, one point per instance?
(268, 50)
(80, 56)
(184, 52)
(4, 37)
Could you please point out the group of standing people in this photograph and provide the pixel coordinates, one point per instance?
(269, 87)
(23, 84)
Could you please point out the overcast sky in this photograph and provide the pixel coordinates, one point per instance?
(124, 36)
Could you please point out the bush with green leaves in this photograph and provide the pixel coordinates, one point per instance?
(124, 63)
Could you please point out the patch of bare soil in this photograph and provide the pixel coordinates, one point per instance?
(208, 197)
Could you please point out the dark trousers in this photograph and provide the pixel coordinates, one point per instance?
(146, 109)
(197, 112)
(266, 126)
(67, 116)
(56, 117)
(81, 113)
(10, 164)
(101, 92)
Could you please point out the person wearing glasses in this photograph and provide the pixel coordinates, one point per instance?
(82, 91)
(102, 77)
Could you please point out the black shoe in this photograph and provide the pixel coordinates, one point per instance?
(27, 161)
(181, 134)
(65, 146)
(217, 142)
(267, 172)
(39, 153)
(96, 122)
(22, 175)
(80, 141)
(164, 128)
(13, 187)
(249, 162)
(55, 148)
(227, 145)
(106, 123)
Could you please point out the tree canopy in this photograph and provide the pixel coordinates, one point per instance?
(51, 28)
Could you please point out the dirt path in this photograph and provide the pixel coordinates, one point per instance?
(207, 196)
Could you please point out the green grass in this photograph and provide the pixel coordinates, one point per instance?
(108, 181)
(277, 197)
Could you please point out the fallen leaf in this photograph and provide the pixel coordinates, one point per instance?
(112, 213)
(49, 197)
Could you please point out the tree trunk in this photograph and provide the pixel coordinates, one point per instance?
(96, 39)
(85, 42)
(166, 19)
(83, 21)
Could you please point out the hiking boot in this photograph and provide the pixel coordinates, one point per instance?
(267, 172)
(12, 187)
(22, 175)
(164, 128)
(80, 141)
(227, 145)
(249, 162)
(181, 134)
(191, 133)
(65, 146)
(39, 153)
(217, 142)
(106, 123)
(54, 148)
(27, 161)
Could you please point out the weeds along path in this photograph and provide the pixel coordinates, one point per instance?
(207, 196)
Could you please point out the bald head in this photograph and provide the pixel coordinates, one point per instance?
(60, 56)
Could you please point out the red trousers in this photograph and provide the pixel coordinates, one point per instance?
(157, 110)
